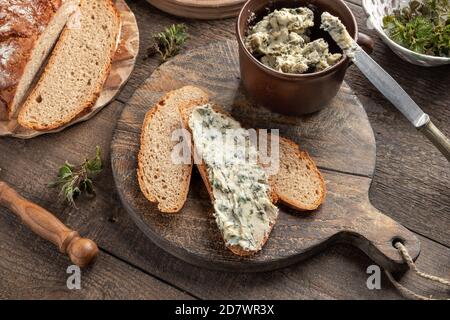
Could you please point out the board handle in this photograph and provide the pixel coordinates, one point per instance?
(81, 251)
(375, 234)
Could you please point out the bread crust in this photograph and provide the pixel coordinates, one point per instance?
(22, 37)
(185, 111)
(140, 170)
(86, 106)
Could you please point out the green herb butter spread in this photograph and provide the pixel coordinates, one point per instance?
(339, 33)
(281, 40)
(244, 211)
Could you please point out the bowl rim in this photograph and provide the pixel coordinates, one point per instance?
(291, 76)
(405, 50)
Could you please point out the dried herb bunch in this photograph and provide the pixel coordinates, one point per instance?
(74, 180)
(423, 26)
(169, 42)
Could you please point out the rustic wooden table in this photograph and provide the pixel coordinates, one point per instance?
(411, 185)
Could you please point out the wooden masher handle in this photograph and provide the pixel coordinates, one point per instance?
(81, 251)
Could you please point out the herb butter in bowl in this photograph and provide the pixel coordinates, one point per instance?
(289, 62)
(282, 41)
(426, 43)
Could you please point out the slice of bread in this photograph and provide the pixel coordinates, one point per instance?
(77, 69)
(298, 183)
(161, 180)
(186, 110)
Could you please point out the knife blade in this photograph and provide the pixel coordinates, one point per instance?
(399, 98)
(384, 83)
(390, 88)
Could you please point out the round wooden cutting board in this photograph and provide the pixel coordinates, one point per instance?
(200, 9)
(339, 138)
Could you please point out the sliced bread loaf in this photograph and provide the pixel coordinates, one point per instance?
(160, 179)
(77, 69)
(298, 183)
(28, 32)
(242, 187)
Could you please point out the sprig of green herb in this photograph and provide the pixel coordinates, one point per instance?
(423, 26)
(168, 43)
(74, 180)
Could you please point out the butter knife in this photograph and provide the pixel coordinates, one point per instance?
(400, 99)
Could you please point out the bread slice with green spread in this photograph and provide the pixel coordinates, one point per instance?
(238, 185)
(161, 180)
(297, 183)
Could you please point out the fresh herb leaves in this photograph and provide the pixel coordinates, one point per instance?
(423, 26)
(169, 42)
(74, 180)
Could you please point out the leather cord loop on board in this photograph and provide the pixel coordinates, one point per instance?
(412, 266)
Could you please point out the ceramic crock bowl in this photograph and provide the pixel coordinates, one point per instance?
(376, 10)
(294, 94)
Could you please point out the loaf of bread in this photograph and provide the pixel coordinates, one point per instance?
(77, 69)
(28, 32)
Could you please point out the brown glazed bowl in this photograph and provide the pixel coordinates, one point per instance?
(294, 94)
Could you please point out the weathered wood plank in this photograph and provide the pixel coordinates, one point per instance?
(103, 220)
(151, 20)
(421, 179)
(337, 273)
(30, 268)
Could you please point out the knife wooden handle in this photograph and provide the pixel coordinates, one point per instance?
(437, 138)
(366, 42)
(81, 251)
